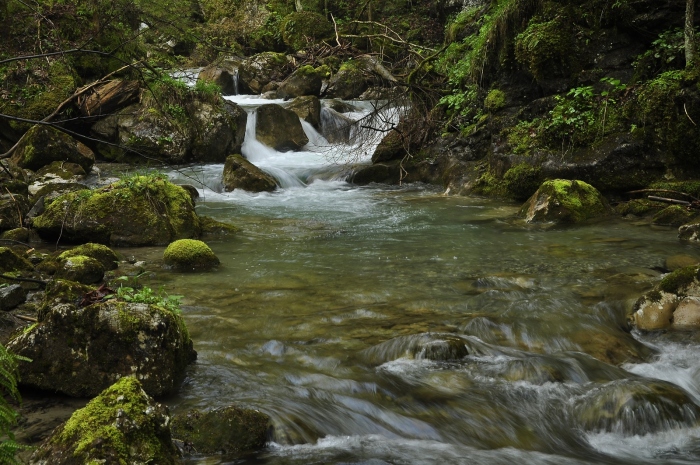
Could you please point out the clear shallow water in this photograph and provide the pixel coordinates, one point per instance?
(393, 325)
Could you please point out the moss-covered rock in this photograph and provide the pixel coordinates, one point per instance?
(81, 351)
(42, 145)
(61, 291)
(522, 180)
(213, 227)
(228, 430)
(674, 215)
(307, 108)
(304, 81)
(13, 209)
(654, 311)
(81, 269)
(190, 255)
(122, 425)
(261, 69)
(657, 308)
(103, 254)
(348, 83)
(280, 128)
(19, 234)
(10, 261)
(239, 173)
(136, 211)
(565, 201)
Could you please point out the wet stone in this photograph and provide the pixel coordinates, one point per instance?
(11, 296)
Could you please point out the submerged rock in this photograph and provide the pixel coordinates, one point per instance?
(43, 145)
(81, 351)
(564, 201)
(636, 407)
(137, 211)
(239, 173)
(121, 425)
(190, 255)
(228, 430)
(280, 128)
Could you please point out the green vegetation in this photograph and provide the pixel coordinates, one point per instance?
(190, 254)
(676, 281)
(146, 295)
(8, 417)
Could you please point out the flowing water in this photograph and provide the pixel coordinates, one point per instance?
(395, 325)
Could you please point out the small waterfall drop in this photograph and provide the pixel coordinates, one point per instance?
(235, 78)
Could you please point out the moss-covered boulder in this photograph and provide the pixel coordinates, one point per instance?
(13, 209)
(228, 430)
(190, 255)
(279, 128)
(661, 307)
(349, 82)
(307, 108)
(304, 28)
(136, 211)
(636, 407)
(304, 81)
(565, 201)
(239, 173)
(674, 215)
(61, 291)
(11, 261)
(261, 69)
(81, 269)
(103, 254)
(42, 145)
(122, 425)
(79, 351)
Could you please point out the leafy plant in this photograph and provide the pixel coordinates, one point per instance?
(146, 295)
(8, 416)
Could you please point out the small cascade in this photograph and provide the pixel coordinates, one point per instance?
(344, 140)
(235, 78)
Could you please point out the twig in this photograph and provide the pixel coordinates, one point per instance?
(26, 318)
(28, 280)
(665, 191)
(335, 26)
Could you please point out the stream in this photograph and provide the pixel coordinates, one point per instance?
(397, 325)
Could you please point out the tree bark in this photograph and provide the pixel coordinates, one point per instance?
(690, 52)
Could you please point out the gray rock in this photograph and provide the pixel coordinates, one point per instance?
(280, 128)
(11, 296)
(303, 81)
(239, 173)
(307, 108)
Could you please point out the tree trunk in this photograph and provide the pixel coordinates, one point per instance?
(689, 33)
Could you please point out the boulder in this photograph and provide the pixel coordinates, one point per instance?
(239, 173)
(109, 97)
(11, 296)
(674, 215)
(136, 211)
(259, 70)
(689, 232)
(122, 424)
(222, 77)
(635, 407)
(103, 254)
(10, 261)
(209, 134)
(391, 147)
(279, 128)
(687, 313)
(304, 81)
(383, 173)
(307, 108)
(81, 269)
(339, 106)
(81, 351)
(335, 126)
(564, 201)
(229, 430)
(349, 82)
(42, 145)
(20, 235)
(655, 311)
(190, 255)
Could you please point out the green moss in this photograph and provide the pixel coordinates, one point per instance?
(653, 296)
(210, 226)
(10, 261)
(99, 252)
(495, 100)
(638, 207)
(569, 202)
(104, 424)
(675, 282)
(544, 48)
(674, 215)
(190, 254)
(522, 180)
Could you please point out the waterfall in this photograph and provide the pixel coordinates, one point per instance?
(344, 140)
